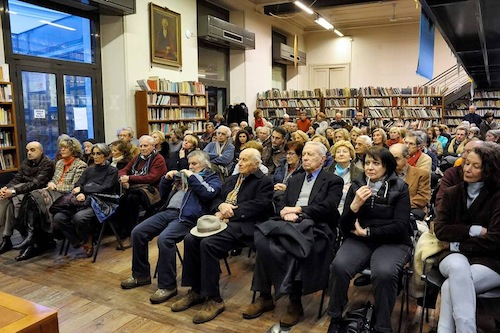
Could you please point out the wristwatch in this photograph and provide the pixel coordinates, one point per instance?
(13, 192)
(368, 233)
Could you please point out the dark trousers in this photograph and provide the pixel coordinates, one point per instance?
(386, 263)
(128, 210)
(201, 269)
(74, 227)
(166, 224)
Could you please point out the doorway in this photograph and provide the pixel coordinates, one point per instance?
(330, 76)
(217, 101)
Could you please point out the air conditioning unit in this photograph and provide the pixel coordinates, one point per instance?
(215, 30)
(283, 54)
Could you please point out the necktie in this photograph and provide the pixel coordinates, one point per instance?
(309, 177)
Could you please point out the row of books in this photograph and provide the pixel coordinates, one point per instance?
(6, 139)
(195, 126)
(402, 101)
(486, 103)
(486, 94)
(6, 93)
(346, 113)
(345, 92)
(341, 102)
(5, 116)
(6, 161)
(388, 123)
(161, 99)
(405, 113)
(275, 93)
(155, 83)
(420, 113)
(290, 103)
(453, 121)
(193, 100)
(175, 114)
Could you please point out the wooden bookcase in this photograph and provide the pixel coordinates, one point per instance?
(382, 106)
(9, 147)
(164, 110)
(346, 101)
(275, 103)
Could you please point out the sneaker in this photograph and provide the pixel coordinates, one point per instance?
(292, 315)
(256, 309)
(162, 295)
(210, 310)
(132, 282)
(190, 299)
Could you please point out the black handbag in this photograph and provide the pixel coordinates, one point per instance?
(66, 203)
(359, 320)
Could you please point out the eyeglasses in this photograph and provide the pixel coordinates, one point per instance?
(97, 153)
(221, 133)
(410, 144)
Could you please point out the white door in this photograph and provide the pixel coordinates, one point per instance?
(329, 76)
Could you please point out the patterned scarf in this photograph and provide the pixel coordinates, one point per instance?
(232, 197)
(145, 167)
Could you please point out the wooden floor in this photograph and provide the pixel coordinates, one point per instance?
(88, 296)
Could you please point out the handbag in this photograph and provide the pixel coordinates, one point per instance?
(359, 320)
(66, 203)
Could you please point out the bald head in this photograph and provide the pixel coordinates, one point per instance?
(473, 143)
(34, 151)
(400, 153)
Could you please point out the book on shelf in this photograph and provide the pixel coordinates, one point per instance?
(153, 83)
(4, 73)
(158, 84)
(5, 117)
(486, 94)
(195, 126)
(6, 93)
(143, 84)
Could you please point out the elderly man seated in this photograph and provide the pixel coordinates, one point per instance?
(189, 198)
(221, 151)
(140, 179)
(308, 215)
(415, 141)
(35, 172)
(245, 200)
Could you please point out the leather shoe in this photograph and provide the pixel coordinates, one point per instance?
(334, 326)
(27, 253)
(256, 309)
(6, 245)
(292, 315)
(187, 301)
(362, 280)
(210, 310)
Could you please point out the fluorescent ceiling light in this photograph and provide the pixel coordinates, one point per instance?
(304, 7)
(324, 23)
(12, 12)
(338, 33)
(57, 25)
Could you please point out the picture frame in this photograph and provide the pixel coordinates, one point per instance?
(165, 36)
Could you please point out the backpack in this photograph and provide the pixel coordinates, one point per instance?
(359, 320)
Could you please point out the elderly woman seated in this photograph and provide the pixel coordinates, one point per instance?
(74, 220)
(289, 167)
(139, 180)
(35, 219)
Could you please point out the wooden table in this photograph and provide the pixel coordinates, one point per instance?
(19, 315)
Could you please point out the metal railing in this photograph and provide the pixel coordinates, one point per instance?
(451, 81)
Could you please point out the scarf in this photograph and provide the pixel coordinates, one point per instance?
(454, 149)
(339, 171)
(390, 142)
(220, 148)
(232, 197)
(67, 164)
(473, 190)
(145, 168)
(115, 160)
(412, 160)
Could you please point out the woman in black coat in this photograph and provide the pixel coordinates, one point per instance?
(469, 219)
(376, 229)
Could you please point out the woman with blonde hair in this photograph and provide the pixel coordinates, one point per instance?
(341, 134)
(354, 133)
(161, 144)
(300, 136)
(394, 136)
(379, 137)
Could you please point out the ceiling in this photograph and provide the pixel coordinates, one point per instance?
(470, 27)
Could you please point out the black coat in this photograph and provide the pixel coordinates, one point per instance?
(32, 175)
(387, 213)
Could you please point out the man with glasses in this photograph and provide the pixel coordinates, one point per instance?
(221, 151)
(415, 141)
(35, 172)
(363, 142)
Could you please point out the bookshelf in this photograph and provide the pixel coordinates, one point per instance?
(9, 151)
(174, 104)
(346, 101)
(383, 106)
(275, 103)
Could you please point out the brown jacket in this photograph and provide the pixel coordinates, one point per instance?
(419, 182)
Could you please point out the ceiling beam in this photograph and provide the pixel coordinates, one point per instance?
(482, 39)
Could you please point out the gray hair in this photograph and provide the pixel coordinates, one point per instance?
(104, 148)
(224, 129)
(368, 141)
(149, 139)
(203, 157)
(263, 128)
(319, 146)
(420, 137)
(403, 147)
(255, 154)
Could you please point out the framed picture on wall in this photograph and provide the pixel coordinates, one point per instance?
(165, 36)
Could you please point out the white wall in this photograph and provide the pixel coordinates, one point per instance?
(385, 56)
(126, 58)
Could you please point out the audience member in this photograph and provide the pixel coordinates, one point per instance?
(139, 180)
(394, 136)
(221, 152)
(274, 151)
(245, 200)
(218, 121)
(434, 145)
(263, 135)
(74, 220)
(298, 265)
(189, 143)
(256, 145)
(469, 220)
(338, 122)
(379, 137)
(375, 224)
(242, 137)
(493, 136)
(363, 142)
(300, 136)
(120, 154)
(126, 135)
(259, 120)
(35, 172)
(353, 134)
(341, 134)
(359, 121)
(87, 151)
(320, 124)
(456, 145)
(472, 117)
(487, 124)
(190, 193)
(330, 135)
(176, 138)
(209, 134)
(288, 167)
(303, 123)
(161, 145)
(415, 141)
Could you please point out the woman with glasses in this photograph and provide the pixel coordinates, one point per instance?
(288, 167)
(100, 178)
(376, 229)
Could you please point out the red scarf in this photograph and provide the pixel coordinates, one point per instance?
(67, 164)
(259, 123)
(413, 159)
(390, 142)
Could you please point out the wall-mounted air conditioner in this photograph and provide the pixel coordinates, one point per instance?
(215, 30)
(283, 54)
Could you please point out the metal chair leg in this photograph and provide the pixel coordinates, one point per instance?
(322, 300)
(227, 266)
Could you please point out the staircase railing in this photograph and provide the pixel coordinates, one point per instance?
(451, 80)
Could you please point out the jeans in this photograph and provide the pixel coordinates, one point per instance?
(459, 290)
(170, 230)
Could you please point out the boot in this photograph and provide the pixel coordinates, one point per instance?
(30, 235)
(29, 252)
(6, 244)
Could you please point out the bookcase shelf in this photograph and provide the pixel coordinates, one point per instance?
(164, 110)
(9, 147)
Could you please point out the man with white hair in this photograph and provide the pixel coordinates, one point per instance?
(308, 216)
(363, 142)
(221, 151)
(140, 179)
(263, 134)
(472, 117)
(244, 201)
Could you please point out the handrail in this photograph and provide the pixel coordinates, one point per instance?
(451, 80)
